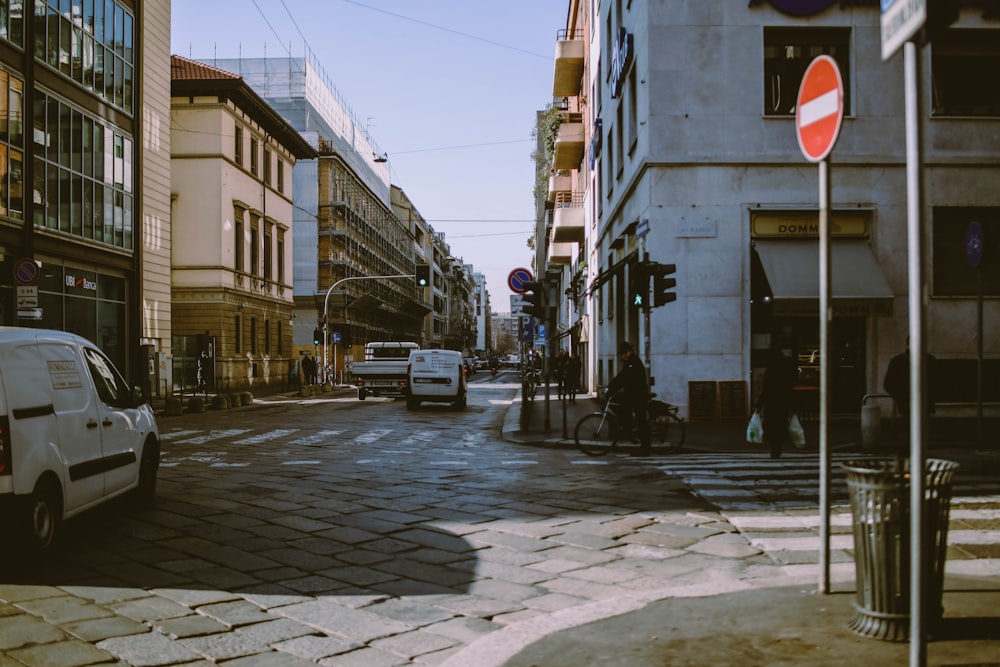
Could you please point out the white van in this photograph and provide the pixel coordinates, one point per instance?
(436, 376)
(73, 433)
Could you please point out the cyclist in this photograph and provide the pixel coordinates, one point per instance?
(633, 393)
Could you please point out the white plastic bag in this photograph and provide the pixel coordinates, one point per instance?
(796, 434)
(755, 430)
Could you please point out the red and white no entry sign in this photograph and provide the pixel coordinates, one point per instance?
(819, 108)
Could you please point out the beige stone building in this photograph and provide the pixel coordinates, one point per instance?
(231, 261)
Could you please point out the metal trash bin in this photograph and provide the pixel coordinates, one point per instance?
(879, 490)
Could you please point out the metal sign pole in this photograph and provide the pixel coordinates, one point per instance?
(914, 211)
(825, 394)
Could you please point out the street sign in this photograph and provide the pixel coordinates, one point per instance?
(26, 271)
(901, 19)
(27, 296)
(29, 313)
(642, 228)
(517, 279)
(819, 108)
(335, 337)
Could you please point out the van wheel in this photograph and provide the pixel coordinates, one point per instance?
(362, 394)
(145, 493)
(412, 403)
(460, 403)
(41, 516)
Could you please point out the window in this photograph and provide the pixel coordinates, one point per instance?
(281, 176)
(620, 139)
(253, 335)
(267, 256)
(787, 54)
(633, 112)
(238, 335)
(267, 167)
(110, 385)
(267, 337)
(952, 273)
(960, 86)
(238, 146)
(254, 245)
(253, 155)
(281, 256)
(238, 238)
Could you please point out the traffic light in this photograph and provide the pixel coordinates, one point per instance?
(317, 336)
(639, 286)
(536, 298)
(422, 275)
(662, 283)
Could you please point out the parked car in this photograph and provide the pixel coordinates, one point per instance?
(73, 433)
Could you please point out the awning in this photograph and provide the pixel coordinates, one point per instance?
(858, 286)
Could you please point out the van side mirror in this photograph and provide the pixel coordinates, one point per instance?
(138, 396)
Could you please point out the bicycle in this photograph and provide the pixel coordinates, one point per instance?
(598, 433)
(530, 380)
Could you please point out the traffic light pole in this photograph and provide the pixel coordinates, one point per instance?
(326, 307)
(647, 346)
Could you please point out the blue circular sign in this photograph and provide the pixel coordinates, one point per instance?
(335, 337)
(974, 243)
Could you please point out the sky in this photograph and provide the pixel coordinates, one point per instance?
(448, 88)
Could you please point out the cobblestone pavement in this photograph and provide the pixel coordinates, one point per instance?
(335, 532)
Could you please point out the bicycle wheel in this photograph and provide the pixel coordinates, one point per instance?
(667, 431)
(595, 435)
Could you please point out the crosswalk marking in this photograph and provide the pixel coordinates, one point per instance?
(265, 437)
(774, 503)
(213, 435)
(319, 437)
(372, 436)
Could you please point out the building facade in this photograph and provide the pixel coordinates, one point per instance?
(232, 161)
(686, 140)
(80, 125)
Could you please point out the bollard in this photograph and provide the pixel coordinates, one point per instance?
(871, 426)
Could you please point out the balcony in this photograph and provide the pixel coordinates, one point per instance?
(568, 63)
(561, 253)
(559, 182)
(568, 219)
(569, 143)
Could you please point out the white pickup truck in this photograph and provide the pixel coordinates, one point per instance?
(383, 372)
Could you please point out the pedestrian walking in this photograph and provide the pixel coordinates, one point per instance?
(633, 394)
(203, 368)
(308, 369)
(559, 373)
(897, 381)
(572, 375)
(775, 403)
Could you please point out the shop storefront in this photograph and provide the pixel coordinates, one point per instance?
(78, 298)
(784, 287)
